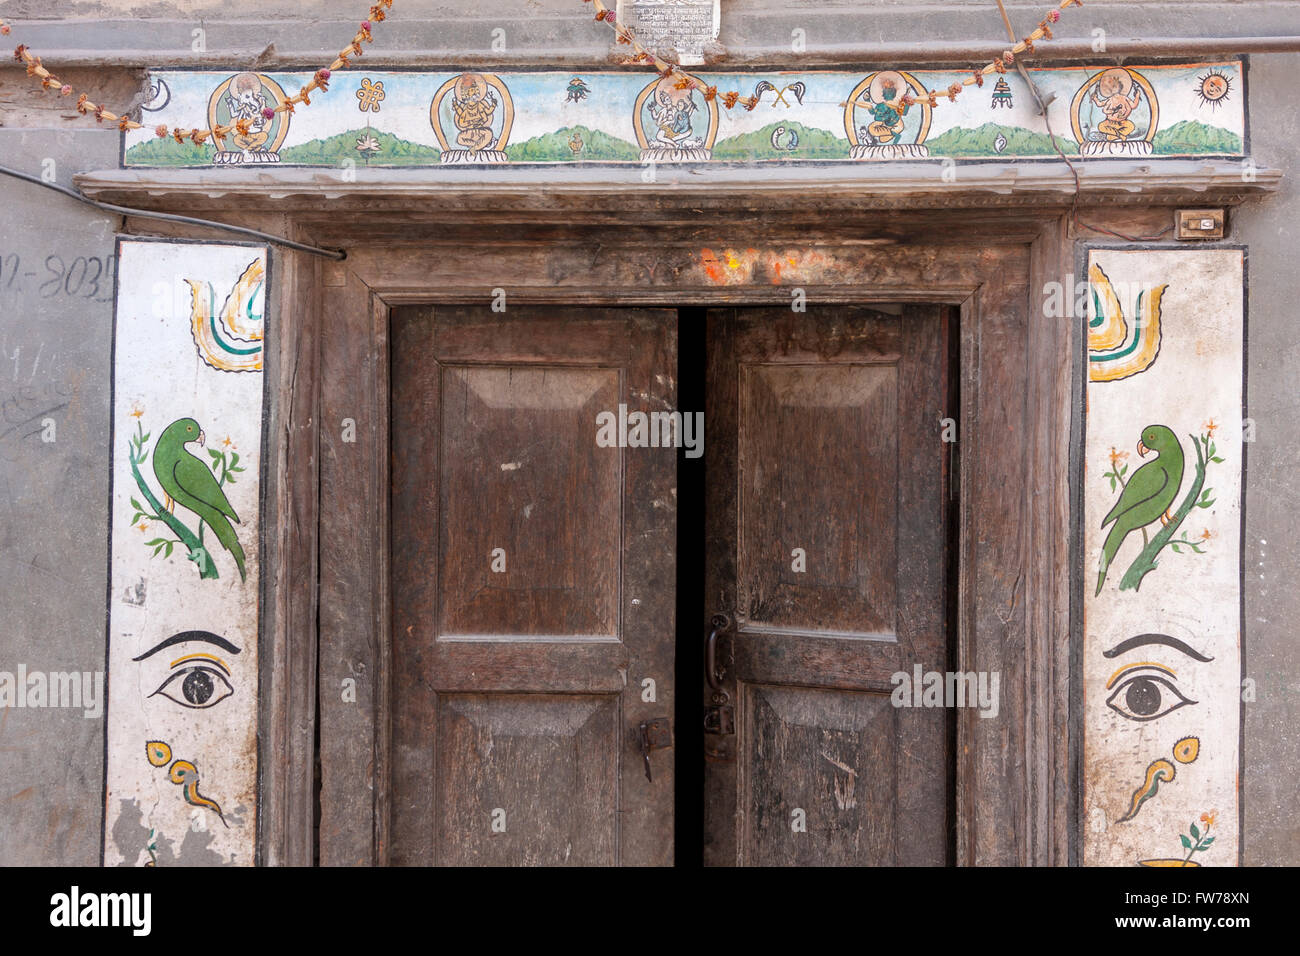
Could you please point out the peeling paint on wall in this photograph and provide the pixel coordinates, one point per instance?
(1162, 489)
(188, 406)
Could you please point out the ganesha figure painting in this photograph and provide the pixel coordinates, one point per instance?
(244, 100)
(471, 115)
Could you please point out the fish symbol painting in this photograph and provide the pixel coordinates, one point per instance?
(786, 140)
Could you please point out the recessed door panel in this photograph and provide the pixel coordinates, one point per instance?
(542, 559)
(805, 542)
(502, 758)
(833, 751)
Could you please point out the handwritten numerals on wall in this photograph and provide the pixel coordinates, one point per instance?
(81, 278)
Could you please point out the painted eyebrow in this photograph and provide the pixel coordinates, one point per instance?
(1142, 640)
(186, 636)
(222, 664)
(1137, 666)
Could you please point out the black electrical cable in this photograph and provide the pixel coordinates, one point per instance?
(1074, 171)
(172, 217)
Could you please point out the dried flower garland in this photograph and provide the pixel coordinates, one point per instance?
(319, 81)
(729, 99)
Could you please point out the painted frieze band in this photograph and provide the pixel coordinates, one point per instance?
(402, 118)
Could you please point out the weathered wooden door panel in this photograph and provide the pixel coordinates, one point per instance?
(522, 751)
(532, 587)
(557, 530)
(826, 547)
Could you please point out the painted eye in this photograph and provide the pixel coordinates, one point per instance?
(1146, 697)
(196, 687)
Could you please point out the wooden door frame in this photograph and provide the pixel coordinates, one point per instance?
(1008, 805)
(989, 244)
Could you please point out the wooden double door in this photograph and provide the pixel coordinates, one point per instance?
(551, 702)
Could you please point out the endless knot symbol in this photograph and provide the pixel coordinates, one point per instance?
(370, 95)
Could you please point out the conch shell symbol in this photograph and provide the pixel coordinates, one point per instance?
(229, 341)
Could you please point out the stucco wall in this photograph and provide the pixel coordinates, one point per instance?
(561, 29)
(1271, 835)
(55, 359)
(53, 495)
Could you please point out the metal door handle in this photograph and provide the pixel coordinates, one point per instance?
(719, 622)
(653, 734)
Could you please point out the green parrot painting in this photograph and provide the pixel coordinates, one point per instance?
(188, 481)
(1147, 495)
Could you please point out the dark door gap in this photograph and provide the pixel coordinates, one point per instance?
(692, 615)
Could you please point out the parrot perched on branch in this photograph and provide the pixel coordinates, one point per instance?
(187, 481)
(1149, 492)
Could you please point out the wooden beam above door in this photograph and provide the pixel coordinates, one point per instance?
(619, 194)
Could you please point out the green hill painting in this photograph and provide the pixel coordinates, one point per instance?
(813, 144)
(555, 147)
(1190, 136)
(393, 151)
(980, 141)
(165, 151)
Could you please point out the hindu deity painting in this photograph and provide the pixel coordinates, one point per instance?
(471, 116)
(1115, 113)
(880, 124)
(671, 124)
(392, 118)
(248, 98)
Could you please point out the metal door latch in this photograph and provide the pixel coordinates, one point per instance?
(719, 717)
(654, 734)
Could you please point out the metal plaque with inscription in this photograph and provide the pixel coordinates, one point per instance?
(686, 26)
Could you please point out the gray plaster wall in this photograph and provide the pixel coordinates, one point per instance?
(562, 31)
(55, 338)
(55, 344)
(1270, 794)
